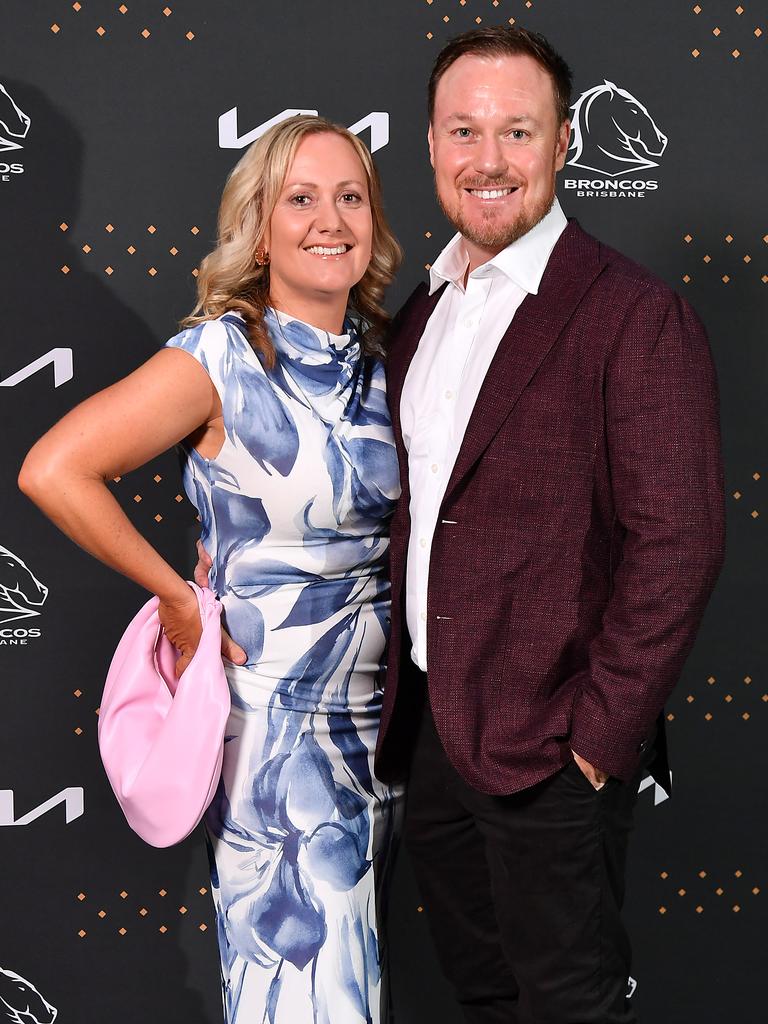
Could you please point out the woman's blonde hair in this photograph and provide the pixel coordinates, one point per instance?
(229, 277)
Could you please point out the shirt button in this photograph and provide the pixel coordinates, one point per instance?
(423, 542)
(434, 467)
(469, 323)
(449, 394)
(423, 616)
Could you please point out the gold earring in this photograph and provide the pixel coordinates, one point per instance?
(262, 257)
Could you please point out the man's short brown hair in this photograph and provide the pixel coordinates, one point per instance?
(503, 41)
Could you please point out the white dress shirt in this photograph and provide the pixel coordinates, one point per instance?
(445, 377)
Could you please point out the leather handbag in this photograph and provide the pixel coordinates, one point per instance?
(162, 738)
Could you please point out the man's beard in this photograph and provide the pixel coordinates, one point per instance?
(493, 233)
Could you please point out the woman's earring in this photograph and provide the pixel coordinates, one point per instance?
(262, 257)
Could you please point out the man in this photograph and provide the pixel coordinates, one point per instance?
(560, 531)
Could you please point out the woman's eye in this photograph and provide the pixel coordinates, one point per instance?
(300, 200)
(351, 197)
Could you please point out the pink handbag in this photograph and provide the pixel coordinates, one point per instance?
(161, 738)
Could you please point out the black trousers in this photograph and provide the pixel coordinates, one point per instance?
(523, 893)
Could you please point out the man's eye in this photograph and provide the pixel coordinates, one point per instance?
(519, 135)
(463, 133)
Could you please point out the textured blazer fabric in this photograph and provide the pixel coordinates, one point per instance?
(581, 532)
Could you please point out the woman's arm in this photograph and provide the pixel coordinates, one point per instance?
(117, 430)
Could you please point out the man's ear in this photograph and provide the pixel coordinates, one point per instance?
(431, 142)
(563, 140)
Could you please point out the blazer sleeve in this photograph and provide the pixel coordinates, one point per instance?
(661, 415)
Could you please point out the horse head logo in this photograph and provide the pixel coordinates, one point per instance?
(21, 1003)
(14, 123)
(21, 593)
(613, 132)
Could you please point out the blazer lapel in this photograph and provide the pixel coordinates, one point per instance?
(573, 266)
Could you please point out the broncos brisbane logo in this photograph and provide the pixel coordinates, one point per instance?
(21, 1003)
(22, 595)
(613, 133)
(14, 123)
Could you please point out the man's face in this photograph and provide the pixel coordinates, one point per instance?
(495, 145)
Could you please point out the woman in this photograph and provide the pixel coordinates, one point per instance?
(278, 398)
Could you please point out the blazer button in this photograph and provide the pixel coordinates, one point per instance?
(643, 747)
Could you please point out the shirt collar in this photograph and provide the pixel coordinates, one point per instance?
(523, 262)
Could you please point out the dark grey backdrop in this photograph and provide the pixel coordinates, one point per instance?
(101, 229)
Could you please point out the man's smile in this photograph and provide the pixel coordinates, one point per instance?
(494, 195)
(490, 193)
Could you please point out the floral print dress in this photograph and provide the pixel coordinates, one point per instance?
(294, 513)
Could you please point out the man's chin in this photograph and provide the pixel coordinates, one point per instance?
(492, 234)
(496, 236)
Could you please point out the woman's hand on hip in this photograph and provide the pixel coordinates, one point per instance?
(203, 567)
(229, 649)
(181, 623)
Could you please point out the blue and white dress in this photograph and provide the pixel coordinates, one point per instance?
(294, 513)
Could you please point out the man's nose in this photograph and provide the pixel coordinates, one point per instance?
(490, 159)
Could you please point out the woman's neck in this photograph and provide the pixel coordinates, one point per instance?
(325, 313)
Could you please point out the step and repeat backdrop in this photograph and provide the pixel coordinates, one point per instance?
(118, 125)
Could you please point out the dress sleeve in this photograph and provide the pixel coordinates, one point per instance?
(210, 344)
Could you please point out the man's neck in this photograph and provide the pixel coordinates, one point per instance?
(478, 256)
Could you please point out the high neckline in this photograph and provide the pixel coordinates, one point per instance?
(326, 362)
(305, 336)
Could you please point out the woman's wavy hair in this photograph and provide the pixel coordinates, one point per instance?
(229, 277)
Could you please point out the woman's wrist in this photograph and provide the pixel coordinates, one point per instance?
(178, 594)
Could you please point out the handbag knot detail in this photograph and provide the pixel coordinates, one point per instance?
(162, 738)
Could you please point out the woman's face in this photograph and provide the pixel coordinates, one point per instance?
(321, 229)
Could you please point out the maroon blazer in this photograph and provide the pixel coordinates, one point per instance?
(580, 534)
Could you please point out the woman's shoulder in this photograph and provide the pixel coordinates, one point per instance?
(211, 340)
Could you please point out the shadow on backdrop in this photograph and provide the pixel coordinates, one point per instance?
(102, 975)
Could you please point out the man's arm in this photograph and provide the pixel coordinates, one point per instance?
(661, 411)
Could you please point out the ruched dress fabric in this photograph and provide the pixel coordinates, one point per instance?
(294, 512)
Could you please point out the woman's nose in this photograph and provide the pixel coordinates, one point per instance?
(329, 217)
